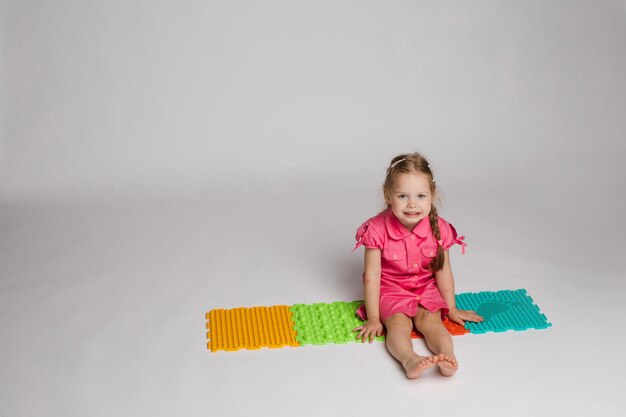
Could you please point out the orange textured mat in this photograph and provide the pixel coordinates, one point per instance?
(250, 328)
(453, 328)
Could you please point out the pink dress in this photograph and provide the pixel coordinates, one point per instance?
(405, 280)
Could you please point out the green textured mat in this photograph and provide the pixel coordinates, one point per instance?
(320, 323)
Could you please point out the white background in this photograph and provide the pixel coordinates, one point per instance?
(160, 159)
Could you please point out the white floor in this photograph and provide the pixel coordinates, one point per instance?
(102, 309)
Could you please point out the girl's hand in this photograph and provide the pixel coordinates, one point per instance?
(370, 329)
(461, 316)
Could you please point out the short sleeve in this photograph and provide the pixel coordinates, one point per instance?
(369, 235)
(449, 236)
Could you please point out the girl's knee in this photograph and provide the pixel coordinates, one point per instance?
(398, 320)
(425, 318)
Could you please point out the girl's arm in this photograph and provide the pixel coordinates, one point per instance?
(371, 283)
(445, 283)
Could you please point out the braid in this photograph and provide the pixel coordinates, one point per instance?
(437, 263)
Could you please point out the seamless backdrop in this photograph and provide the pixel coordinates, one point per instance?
(161, 159)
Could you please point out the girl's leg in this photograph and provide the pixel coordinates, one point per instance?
(438, 340)
(400, 346)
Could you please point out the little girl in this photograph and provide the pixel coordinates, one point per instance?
(408, 280)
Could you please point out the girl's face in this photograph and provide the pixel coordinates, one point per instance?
(410, 199)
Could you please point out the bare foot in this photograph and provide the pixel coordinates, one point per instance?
(418, 364)
(447, 364)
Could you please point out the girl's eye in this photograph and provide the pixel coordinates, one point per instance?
(422, 196)
(403, 196)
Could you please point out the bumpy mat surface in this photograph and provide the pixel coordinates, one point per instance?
(322, 323)
(250, 328)
(502, 311)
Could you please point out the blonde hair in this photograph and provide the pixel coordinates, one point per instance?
(417, 164)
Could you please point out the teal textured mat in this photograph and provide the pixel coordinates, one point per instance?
(502, 311)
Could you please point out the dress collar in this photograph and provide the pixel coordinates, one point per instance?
(397, 230)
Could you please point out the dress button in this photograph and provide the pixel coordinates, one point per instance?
(417, 298)
(395, 256)
(414, 265)
(432, 253)
(412, 236)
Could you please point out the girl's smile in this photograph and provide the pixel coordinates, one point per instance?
(411, 198)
